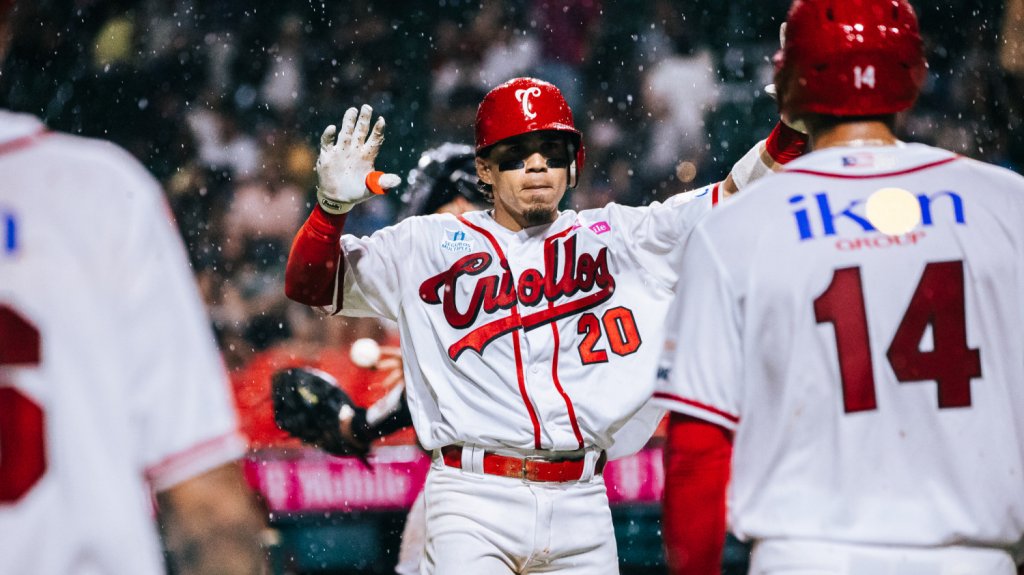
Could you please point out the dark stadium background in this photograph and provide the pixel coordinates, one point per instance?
(224, 100)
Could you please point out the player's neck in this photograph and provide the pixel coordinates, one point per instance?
(520, 221)
(868, 133)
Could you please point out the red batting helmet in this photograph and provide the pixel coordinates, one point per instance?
(524, 105)
(850, 58)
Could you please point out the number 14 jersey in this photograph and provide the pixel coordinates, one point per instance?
(874, 380)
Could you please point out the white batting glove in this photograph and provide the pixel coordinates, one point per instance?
(345, 167)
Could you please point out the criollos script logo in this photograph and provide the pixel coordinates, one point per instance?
(564, 275)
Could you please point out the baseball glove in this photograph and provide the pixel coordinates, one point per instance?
(308, 405)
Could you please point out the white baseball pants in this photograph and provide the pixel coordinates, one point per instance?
(410, 553)
(491, 525)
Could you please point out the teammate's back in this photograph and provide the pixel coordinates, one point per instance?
(866, 306)
(881, 359)
(110, 383)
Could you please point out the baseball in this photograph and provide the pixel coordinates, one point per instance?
(365, 352)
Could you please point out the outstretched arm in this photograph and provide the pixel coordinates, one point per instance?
(346, 177)
(783, 145)
(211, 524)
(314, 264)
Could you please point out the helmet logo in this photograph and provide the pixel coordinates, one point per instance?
(523, 96)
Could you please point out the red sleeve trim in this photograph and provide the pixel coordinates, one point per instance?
(672, 397)
(226, 443)
(315, 265)
(23, 142)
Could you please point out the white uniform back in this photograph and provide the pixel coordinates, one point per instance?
(111, 383)
(772, 281)
(560, 367)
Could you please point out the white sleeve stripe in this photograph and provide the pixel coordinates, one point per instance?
(337, 302)
(195, 460)
(683, 405)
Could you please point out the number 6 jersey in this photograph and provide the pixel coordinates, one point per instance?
(110, 383)
(874, 379)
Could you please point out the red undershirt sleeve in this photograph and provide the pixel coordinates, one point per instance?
(784, 144)
(697, 455)
(314, 263)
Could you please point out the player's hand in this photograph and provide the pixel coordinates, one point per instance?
(390, 358)
(773, 91)
(391, 364)
(345, 171)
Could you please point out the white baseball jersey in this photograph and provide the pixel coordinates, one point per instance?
(545, 338)
(110, 381)
(875, 382)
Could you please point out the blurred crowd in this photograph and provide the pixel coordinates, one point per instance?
(224, 101)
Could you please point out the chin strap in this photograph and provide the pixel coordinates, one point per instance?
(572, 164)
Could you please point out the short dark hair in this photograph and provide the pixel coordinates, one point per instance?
(819, 122)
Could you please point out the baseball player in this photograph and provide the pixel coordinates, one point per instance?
(529, 334)
(861, 319)
(111, 386)
(311, 406)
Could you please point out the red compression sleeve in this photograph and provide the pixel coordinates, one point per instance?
(785, 144)
(697, 456)
(315, 264)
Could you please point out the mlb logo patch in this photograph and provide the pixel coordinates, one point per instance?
(457, 241)
(859, 160)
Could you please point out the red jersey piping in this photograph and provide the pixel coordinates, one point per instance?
(515, 334)
(870, 176)
(554, 356)
(697, 404)
(23, 142)
(175, 460)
